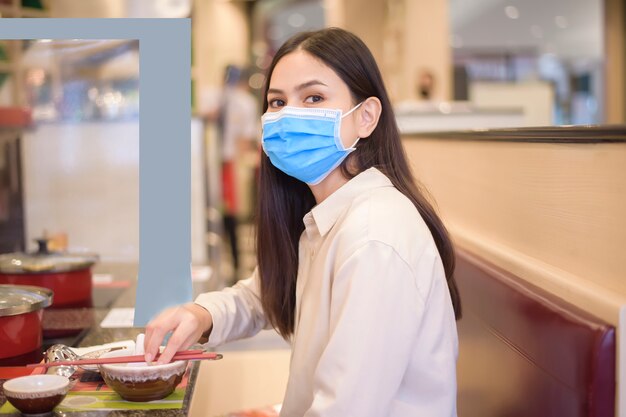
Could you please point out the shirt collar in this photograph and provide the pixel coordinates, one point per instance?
(324, 216)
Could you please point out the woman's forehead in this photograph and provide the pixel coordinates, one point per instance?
(298, 67)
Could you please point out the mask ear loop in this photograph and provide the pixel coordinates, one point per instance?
(352, 109)
(352, 147)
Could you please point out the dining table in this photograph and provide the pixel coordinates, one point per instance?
(80, 327)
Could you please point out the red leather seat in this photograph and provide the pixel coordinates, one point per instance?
(525, 352)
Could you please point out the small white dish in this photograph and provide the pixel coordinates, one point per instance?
(36, 394)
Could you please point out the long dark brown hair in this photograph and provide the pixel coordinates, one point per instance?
(283, 200)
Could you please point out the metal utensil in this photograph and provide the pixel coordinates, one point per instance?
(61, 353)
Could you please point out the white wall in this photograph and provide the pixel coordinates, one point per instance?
(83, 180)
(535, 98)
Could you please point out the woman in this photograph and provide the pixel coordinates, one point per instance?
(354, 266)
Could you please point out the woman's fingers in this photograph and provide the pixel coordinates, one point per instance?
(156, 331)
(183, 332)
(187, 323)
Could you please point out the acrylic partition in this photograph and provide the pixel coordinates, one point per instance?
(82, 179)
(545, 206)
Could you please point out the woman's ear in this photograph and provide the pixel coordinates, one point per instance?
(368, 115)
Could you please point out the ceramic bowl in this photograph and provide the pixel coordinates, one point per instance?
(140, 381)
(36, 394)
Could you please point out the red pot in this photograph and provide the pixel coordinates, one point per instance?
(20, 319)
(68, 275)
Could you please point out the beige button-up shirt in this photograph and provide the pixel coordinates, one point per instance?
(375, 333)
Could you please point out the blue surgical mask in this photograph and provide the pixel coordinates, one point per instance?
(305, 143)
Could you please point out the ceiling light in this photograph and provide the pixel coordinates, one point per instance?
(561, 21)
(256, 80)
(511, 12)
(296, 20)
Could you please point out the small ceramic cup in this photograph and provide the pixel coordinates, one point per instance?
(36, 394)
(140, 381)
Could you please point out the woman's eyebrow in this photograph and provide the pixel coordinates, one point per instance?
(274, 91)
(298, 88)
(309, 84)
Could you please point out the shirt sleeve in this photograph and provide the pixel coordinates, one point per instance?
(236, 311)
(376, 311)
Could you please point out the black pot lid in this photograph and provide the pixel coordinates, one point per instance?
(45, 261)
(20, 299)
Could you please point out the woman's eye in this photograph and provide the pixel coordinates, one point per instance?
(275, 103)
(313, 99)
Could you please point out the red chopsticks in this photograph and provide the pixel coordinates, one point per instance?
(185, 355)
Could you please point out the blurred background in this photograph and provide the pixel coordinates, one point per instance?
(512, 113)
(69, 132)
(448, 65)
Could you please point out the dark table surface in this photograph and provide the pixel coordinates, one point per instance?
(92, 334)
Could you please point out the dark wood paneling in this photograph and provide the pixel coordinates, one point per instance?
(527, 353)
(550, 134)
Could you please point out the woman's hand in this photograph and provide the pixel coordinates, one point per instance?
(187, 322)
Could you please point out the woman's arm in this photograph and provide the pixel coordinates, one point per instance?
(230, 314)
(237, 311)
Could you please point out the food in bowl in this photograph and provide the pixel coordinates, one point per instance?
(140, 381)
(36, 394)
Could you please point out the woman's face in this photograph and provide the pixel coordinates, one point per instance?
(301, 80)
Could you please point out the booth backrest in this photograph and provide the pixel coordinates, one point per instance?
(527, 353)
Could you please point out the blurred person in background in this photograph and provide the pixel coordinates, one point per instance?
(425, 84)
(236, 116)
